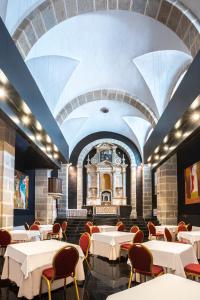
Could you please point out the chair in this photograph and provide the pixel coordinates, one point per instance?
(168, 235)
(152, 231)
(34, 227)
(64, 229)
(26, 226)
(192, 270)
(181, 227)
(37, 222)
(64, 265)
(189, 227)
(118, 223)
(90, 223)
(87, 228)
(55, 233)
(142, 262)
(181, 223)
(94, 229)
(84, 243)
(138, 238)
(5, 239)
(121, 227)
(134, 229)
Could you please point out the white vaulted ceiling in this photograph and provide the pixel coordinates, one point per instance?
(111, 50)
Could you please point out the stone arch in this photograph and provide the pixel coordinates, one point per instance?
(106, 94)
(131, 157)
(172, 14)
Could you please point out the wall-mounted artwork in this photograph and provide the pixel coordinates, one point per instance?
(21, 193)
(192, 184)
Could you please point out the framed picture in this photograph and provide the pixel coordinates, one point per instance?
(21, 192)
(192, 184)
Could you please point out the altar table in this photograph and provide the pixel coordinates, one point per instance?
(164, 287)
(107, 244)
(24, 235)
(25, 262)
(192, 237)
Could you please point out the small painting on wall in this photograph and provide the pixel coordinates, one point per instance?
(21, 192)
(192, 184)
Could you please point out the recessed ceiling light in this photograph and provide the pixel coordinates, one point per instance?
(195, 103)
(166, 147)
(156, 157)
(38, 126)
(38, 137)
(195, 116)
(156, 150)
(178, 124)
(48, 139)
(55, 155)
(165, 139)
(3, 93)
(55, 148)
(26, 109)
(26, 120)
(178, 134)
(48, 148)
(3, 77)
(149, 158)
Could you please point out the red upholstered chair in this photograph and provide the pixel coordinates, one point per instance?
(87, 228)
(26, 226)
(168, 235)
(142, 262)
(181, 223)
(34, 227)
(134, 229)
(189, 227)
(64, 229)
(5, 239)
(37, 222)
(90, 223)
(55, 233)
(118, 223)
(182, 227)
(192, 270)
(138, 238)
(84, 243)
(64, 265)
(121, 227)
(94, 229)
(153, 233)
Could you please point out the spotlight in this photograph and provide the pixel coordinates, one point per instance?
(38, 137)
(15, 120)
(26, 109)
(32, 137)
(178, 124)
(162, 156)
(166, 148)
(149, 158)
(156, 150)
(195, 116)
(43, 148)
(48, 139)
(195, 103)
(3, 93)
(26, 120)
(186, 134)
(178, 134)
(38, 126)
(55, 148)
(3, 77)
(165, 139)
(48, 148)
(55, 155)
(156, 157)
(172, 148)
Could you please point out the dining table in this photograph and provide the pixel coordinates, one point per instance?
(21, 235)
(24, 263)
(191, 237)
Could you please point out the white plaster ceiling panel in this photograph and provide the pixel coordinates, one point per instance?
(105, 51)
(160, 70)
(51, 74)
(17, 10)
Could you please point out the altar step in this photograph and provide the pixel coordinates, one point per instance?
(76, 226)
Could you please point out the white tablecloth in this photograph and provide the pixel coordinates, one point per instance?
(107, 228)
(24, 235)
(192, 237)
(25, 262)
(172, 255)
(164, 287)
(107, 244)
(172, 229)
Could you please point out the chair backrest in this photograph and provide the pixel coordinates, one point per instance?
(94, 229)
(182, 227)
(118, 223)
(56, 228)
(134, 229)
(90, 223)
(5, 238)
(34, 227)
(84, 243)
(189, 227)
(141, 259)
(37, 222)
(26, 226)
(87, 228)
(65, 261)
(151, 228)
(121, 227)
(181, 223)
(168, 235)
(139, 237)
(64, 226)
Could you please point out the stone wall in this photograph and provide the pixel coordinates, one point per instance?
(7, 167)
(147, 192)
(167, 199)
(63, 201)
(44, 204)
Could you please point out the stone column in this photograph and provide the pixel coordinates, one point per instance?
(98, 185)
(167, 202)
(80, 187)
(124, 182)
(7, 166)
(147, 192)
(63, 201)
(44, 204)
(133, 192)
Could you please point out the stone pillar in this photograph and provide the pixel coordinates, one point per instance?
(124, 182)
(44, 204)
(63, 201)
(7, 167)
(167, 202)
(133, 192)
(147, 192)
(80, 187)
(98, 184)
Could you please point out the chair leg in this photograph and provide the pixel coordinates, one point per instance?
(130, 279)
(49, 287)
(40, 287)
(76, 288)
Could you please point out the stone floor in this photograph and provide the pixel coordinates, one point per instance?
(105, 279)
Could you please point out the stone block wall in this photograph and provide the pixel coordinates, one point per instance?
(7, 168)
(167, 199)
(63, 201)
(147, 192)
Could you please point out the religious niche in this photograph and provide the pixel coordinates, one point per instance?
(106, 177)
